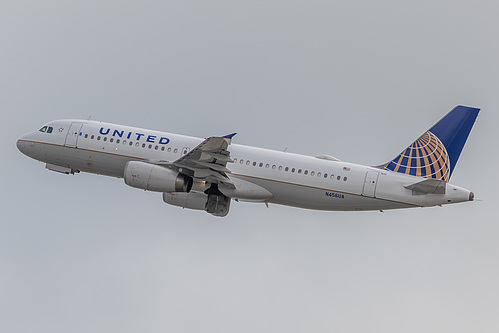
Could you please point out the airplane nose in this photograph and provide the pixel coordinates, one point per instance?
(22, 145)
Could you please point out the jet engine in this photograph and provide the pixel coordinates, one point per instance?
(214, 203)
(193, 200)
(151, 177)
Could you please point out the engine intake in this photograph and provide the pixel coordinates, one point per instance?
(151, 177)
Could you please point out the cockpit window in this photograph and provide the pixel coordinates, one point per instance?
(46, 129)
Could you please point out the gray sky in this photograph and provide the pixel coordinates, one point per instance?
(357, 80)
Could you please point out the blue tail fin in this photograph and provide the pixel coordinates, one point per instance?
(435, 153)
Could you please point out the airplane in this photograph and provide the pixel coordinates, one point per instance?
(206, 174)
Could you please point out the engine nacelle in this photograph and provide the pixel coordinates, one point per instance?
(215, 204)
(156, 178)
(193, 200)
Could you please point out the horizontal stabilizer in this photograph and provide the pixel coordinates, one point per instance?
(430, 185)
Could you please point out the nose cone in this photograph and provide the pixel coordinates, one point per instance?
(23, 145)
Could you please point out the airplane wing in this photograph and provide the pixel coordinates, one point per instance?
(208, 161)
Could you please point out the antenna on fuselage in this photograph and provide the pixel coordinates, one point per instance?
(89, 117)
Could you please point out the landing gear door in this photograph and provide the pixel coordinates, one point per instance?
(73, 134)
(370, 183)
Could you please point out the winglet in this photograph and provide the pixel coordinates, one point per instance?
(229, 136)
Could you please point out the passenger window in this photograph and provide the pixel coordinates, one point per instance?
(131, 143)
(312, 173)
(339, 178)
(156, 147)
(273, 167)
(293, 170)
(136, 144)
(241, 161)
(150, 146)
(105, 138)
(163, 148)
(235, 160)
(92, 137)
(175, 151)
(98, 138)
(169, 149)
(280, 168)
(124, 142)
(332, 177)
(143, 145)
(286, 169)
(306, 172)
(318, 174)
(254, 163)
(86, 136)
(345, 179)
(325, 175)
(117, 140)
(267, 165)
(111, 140)
(261, 164)
(248, 162)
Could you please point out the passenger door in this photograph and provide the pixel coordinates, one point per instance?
(73, 134)
(370, 183)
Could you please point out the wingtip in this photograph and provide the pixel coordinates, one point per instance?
(229, 136)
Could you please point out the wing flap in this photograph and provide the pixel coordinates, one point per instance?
(207, 161)
(213, 166)
(221, 157)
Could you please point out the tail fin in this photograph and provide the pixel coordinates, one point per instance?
(435, 153)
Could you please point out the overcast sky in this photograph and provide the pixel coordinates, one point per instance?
(359, 80)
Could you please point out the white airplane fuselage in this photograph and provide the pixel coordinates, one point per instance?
(259, 175)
